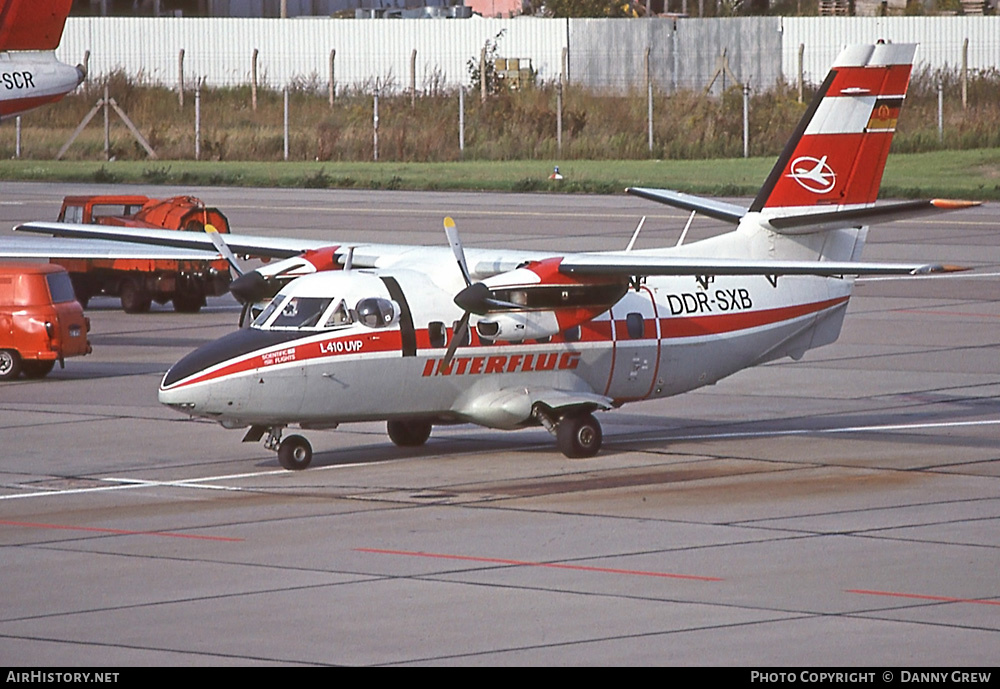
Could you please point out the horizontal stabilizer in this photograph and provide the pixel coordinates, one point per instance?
(808, 223)
(617, 264)
(720, 210)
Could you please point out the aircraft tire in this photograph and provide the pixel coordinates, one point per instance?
(135, 299)
(408, 433)
(295, 453)
(10, 364)
(579, 436)
(36, 369)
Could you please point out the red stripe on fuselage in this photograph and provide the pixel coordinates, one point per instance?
(676, 327)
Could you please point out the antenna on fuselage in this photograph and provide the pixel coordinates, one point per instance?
(349, 259)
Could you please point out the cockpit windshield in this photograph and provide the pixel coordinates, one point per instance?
(304, 313)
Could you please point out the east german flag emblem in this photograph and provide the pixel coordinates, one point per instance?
(884, 115)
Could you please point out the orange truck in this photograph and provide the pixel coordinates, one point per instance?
(41, 321)
(139, 282)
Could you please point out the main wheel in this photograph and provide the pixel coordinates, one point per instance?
(295, 453)
(135, 298)
(579, 436)
(36, 369)
(10, 364)
(408, 433)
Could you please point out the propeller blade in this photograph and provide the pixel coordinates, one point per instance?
(457, 337)
(456, 248)
(222, 248)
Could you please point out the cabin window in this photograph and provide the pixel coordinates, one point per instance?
(466, 336)
(636, 325)
(572, 334)
(375, 312)
(438, 334)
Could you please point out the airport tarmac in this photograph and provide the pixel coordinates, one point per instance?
(839, 510)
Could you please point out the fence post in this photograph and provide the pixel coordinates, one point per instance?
(965, 74)
(413, 79)
(107, 125)
(482, 75)
(286, 121)
(802, 48)
(461, 121)
(559, 116)
(253, 80)
(746, 120)
(649, 102)
(375, 127)
(197, 121)
(17, 139)
(940, 89)
(333, 83)
(180, 78)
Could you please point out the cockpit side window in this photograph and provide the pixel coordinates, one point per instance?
(261, 319)
(376, 312)
(339, 316)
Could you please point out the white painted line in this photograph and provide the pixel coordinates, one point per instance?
(845, 429)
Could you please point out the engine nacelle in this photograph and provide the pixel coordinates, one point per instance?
(517, 326)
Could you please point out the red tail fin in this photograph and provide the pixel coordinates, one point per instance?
(838, 151)
(31, 24)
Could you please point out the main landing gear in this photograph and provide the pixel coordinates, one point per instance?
(578, 434)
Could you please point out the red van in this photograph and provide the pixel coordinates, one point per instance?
(41, 321)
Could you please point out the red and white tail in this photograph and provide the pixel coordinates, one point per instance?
(32, 25)
(837, 154)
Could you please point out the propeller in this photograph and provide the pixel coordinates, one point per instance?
(476, 298)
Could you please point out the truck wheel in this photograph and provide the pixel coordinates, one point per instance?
(579, 436)
(408, 433)
(135, 299)
(36, 369)
(10, 364)
(188, 302)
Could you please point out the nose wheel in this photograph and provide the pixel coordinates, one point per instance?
(294, 452)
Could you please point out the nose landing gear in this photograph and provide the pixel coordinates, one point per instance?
(294, 452)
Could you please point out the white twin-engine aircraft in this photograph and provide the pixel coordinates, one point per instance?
(419, 336)
(30, 74)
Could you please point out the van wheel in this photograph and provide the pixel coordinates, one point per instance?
(135, 299)
(10, 364)
(37, 369)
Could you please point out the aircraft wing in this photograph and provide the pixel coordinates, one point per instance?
(271, 247)
(624, 264)
(33, 248)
